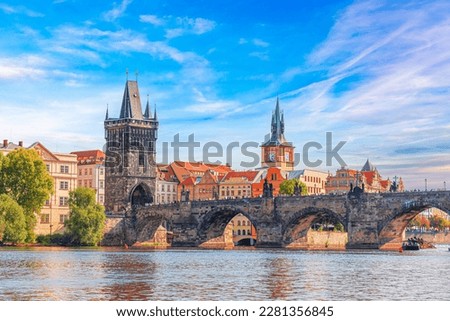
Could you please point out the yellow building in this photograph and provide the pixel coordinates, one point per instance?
(244, 233)
(63, 169)
(314, 180)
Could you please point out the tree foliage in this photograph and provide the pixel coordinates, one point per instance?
(12, 221)
(287, 187)
(87, 218)
(24, 177)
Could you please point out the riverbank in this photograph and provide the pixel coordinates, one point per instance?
(430, 237)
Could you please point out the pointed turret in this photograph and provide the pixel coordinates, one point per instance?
(155, 117)
(131, 102)
(277, 127)
(147, 109)
(106, 117)
(368, 167)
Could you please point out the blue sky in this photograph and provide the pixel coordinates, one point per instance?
(374, 73)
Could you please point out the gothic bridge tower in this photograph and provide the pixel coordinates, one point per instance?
(277, 151)
(130, 169)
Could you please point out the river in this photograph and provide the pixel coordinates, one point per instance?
(261, 274)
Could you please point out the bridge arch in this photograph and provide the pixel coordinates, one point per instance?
(215, 222)
(391, 229)
(297, 230)
(140, 195)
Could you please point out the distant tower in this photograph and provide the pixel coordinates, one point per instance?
(130, 177)
(276, 151)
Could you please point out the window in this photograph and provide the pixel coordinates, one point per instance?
(90, 171)
(80, 182)
(243, 232)
(48, 167)
(45, 218)
(101, 198)
(80, 172)
(63, 201)
(101, 184)
(63, 218)
(90, 183)
(248, 232)
(64, 169)
(239, 223)
(239, 232)
(85, 171)
(47, 202)
(64, 185)
(101, 171)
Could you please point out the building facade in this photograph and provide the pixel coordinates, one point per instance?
(166, 186)
(91, 172)
(63, 169)
(314, 180)
(130, 168)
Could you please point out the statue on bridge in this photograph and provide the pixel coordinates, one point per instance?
(356, 191)
(267, 189)
(297, 189)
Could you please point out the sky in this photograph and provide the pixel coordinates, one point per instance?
(373, 73)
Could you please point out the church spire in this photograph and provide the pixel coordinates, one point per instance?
(131, 102)
(155, 116)
(147, 109)
(107, 107)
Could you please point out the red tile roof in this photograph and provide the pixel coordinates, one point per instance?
(90, 156)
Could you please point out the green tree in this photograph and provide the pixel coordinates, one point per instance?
(25, 179)
(87, 218)
(12, 221)
(287, 187)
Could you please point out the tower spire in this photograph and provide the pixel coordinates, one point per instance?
(107, 107)
(155, 116)
(147, 109)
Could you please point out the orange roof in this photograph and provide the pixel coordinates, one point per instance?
(248, 175)
(189, 181)
(384, 183)
(90, 156)
(369, 177)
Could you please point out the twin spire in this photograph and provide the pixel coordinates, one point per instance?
(131, 103)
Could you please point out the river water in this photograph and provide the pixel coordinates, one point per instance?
(105, 274)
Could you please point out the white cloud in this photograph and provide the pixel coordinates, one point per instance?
(185, 25)
(8, 9)
(152, 19)
(260, 43)
(117, 11)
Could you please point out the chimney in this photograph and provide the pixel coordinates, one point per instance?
(20, 143)
(5, 143)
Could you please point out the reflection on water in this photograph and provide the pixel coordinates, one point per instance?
(71, 274)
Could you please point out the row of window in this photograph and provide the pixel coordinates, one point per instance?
(312, 179)
(63, 169)
(248, 223)
(242, 232)
(170, 188)
(45, 218)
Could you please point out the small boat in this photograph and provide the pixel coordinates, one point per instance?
(411, 246)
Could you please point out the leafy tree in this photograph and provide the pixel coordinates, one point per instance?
(87, 218)
(287, 187)
(338, 227)
(25, 179)
(12, 221)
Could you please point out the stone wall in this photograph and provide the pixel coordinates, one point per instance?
(325, 240)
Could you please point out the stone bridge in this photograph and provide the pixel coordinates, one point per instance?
(372, 221)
